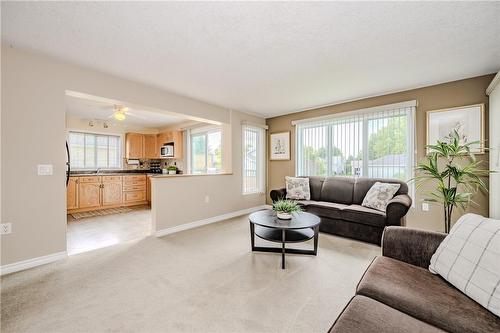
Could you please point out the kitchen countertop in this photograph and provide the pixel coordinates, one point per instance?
(113, 173)
(140, 172)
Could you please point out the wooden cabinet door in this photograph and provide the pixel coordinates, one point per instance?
(112, 193)
(161, 139)
(148, 189)
(134, 145)
(150, 148)
(178, 138)
(89, 195)
(72, 193)
(134, 197)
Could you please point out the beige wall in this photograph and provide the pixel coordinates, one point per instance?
(463, 92)
(33, 131)
(180, 200)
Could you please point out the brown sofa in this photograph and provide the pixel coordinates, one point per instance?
(397, 293)
(337, 201)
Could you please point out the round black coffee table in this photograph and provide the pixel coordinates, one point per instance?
(302, 227)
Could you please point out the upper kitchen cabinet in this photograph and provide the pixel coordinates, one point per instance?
(151, 149)
(134, 145)
(177, 137)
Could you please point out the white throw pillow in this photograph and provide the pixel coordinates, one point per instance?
(469, 259)
(297, 188)
(379, 195)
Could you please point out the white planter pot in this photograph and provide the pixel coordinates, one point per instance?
(283, 216)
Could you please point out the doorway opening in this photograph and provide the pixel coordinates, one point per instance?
(114, 150)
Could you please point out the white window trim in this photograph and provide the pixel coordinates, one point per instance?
(121, 152)
(261, 158)
(206, 130)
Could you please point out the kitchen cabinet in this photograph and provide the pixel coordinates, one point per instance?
(112, 190)
(148, 189)
(134, 189)
(72, 193)
(150, 147)
(89, 194)
(86, 193)
(134, 145)
(177, 137)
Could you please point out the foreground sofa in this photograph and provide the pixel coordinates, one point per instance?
(337, 201)
(397, 293)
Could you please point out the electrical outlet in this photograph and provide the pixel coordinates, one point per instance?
(425, 206)
(207, 199)
(5, 228)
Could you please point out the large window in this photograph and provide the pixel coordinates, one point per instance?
(206, 150)
(253, 159)
(376, 142)
(93, 151)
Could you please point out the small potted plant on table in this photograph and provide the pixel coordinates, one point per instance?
(285, 208)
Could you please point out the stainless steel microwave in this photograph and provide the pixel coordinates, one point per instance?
(167, 150)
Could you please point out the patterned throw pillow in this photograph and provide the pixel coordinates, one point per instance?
(297, 188)
(379, 195)
(469, 259)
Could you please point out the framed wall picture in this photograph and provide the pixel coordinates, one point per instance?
(279, 146)
(468, 121)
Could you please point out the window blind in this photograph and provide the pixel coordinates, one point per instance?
(375, 142)
(92, 151)
(253, 159)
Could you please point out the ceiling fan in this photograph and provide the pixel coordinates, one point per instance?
(121, 112)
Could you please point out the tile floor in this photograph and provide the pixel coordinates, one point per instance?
(101, 231)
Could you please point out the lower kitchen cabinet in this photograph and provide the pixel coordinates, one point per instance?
(85, 193)
(72, 193)
(112, 192)
(134, 189)
(89, 195)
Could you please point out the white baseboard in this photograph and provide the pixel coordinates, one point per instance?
(30, 263)
(210, 220)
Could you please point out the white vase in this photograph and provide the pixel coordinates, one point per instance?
(284, 216)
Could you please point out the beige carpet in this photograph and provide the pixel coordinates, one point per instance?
(201, 280)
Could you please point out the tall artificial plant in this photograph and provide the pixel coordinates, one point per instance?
(452, 166)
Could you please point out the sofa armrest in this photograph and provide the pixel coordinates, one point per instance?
(412, 246)
(397, 209)
(278, 194)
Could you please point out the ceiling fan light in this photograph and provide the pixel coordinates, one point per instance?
(119, 116)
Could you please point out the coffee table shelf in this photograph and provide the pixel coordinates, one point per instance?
(291, 236)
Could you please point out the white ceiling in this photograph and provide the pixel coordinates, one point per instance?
(88, 109)
(268, 58)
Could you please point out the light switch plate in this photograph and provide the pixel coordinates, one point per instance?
(425, 206)
(45, 169)
(5, 228)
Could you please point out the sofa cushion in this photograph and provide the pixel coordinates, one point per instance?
(338, 190)
(363, 185)
(379, 195)
(297, 188)
(315, 184)
(365, 315)
(325, 209)
(427, 297)
(469, 258)
(364, 215)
